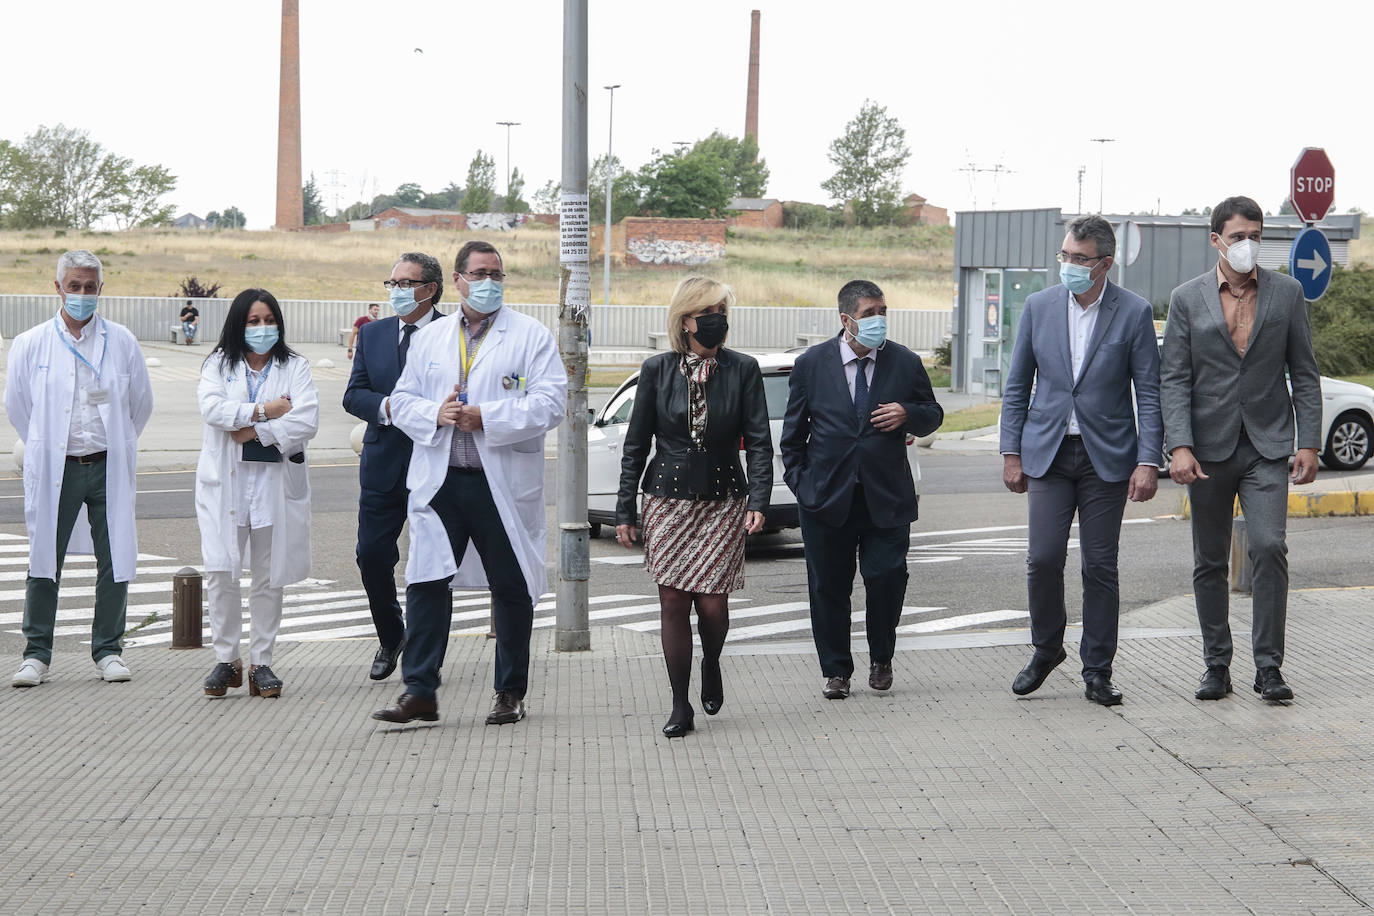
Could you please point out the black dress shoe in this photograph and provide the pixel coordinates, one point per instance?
(680, 725)
(880, 676)
(409, 708)
(1034, 674)
(385, 662)
(1216, 683)
(1269, 684)
(505, 709)
(1100, 690)
(712, 688)
(836, 688)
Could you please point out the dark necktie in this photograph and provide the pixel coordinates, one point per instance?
(861, 392)
(406, 332)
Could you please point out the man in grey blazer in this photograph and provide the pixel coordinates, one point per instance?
(1073, 445)
(1231, 336)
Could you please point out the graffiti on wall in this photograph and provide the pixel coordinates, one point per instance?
(495, 222)
(674, 251)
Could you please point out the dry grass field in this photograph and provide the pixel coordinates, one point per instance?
(765, 267)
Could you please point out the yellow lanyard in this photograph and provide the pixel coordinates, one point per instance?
(465, 361)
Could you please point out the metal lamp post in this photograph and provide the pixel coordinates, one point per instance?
(606, 230)
(508, 125)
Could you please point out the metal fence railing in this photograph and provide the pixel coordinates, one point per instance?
(319, 321)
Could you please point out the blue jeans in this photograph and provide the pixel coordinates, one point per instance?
(189, 330)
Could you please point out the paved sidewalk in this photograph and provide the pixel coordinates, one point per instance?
(946, 795)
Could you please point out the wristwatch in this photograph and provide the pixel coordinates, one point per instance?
(262, 413)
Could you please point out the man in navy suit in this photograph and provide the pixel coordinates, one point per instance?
(852, 401)
(415, 286)
(1083, 345)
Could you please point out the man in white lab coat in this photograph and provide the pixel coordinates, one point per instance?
(479, 391)
(77, 393)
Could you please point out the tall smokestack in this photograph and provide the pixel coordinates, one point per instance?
(290, 208)
(751, 103)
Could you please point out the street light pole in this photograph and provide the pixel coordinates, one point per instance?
(606, 230)
(508, 125)
(1101, 167)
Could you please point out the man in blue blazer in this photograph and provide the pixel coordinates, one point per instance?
(1073, 445)
(852, 401)
(415, 286)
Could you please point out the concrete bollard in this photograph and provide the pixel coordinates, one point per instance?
(1241, 570)
(186, 613)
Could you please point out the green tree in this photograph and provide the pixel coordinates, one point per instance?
(447, 199)
(136, 198)
(869, 160)
(312, 205)
(1343, 322)
(481, 184)
(61, 177)
(546, 198)
(409, 194)
(745, 172)
(231, 218)
(513, 201)
(678, 185)
(624, 191)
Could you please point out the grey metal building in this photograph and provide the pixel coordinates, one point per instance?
(1002, 256)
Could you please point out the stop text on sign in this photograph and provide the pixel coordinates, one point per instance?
(1314, 184)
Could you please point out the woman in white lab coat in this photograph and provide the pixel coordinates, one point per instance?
(260, 407)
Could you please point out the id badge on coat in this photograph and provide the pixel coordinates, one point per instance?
(698, 473)
(97, 396)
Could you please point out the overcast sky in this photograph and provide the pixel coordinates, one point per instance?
(1202, 99)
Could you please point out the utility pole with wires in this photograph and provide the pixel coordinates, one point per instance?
(973, 169)
(1081, 170)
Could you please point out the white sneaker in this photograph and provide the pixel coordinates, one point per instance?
(112, 668)
(30, 674)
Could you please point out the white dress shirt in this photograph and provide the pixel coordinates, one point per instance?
(86, 434)
(1082, 321)
(426, 318)
(850, 359)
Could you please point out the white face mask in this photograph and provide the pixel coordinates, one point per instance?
(1241, 256)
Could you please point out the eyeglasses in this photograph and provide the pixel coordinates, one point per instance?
(1063, 257)
(497, 275)
(404, 284)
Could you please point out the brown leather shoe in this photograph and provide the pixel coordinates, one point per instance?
(409, 708)
(836, 688)
(880, 675)
(505, 709)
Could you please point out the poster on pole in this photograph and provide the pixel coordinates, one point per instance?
(574, 249)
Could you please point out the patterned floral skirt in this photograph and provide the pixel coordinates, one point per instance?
(696, 545)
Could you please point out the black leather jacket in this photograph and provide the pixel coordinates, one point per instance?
(735, 410)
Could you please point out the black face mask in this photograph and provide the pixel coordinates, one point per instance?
(711, 330)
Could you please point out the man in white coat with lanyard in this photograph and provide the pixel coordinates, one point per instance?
(479, 391)
(77, 393)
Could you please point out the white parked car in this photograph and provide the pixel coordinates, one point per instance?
(1347, 425)
(607, 432)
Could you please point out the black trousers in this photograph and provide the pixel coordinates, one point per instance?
(831, 554)
(1071, 485)
(465, 506)
(381, 516)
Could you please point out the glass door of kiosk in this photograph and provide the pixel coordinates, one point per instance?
(1017, 285)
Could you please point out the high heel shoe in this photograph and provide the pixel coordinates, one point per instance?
(677, 728)
(712, 689)
(263, 683)
(223, 676)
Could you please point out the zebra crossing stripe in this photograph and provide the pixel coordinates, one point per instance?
(961, 621)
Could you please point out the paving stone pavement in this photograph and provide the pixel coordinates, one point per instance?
(946, 795)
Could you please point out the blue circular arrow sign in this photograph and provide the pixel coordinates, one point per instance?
(1310, 262)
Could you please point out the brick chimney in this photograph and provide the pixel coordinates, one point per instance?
(290, 208)
(751, 103)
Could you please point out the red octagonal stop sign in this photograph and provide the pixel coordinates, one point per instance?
(1313, 186)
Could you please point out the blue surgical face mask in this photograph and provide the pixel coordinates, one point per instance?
(872, 331)
(1076, 277)
(80, 307)
(485, 295)
(262, 338)
(403, 301)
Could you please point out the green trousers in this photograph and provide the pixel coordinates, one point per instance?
(81, 483)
